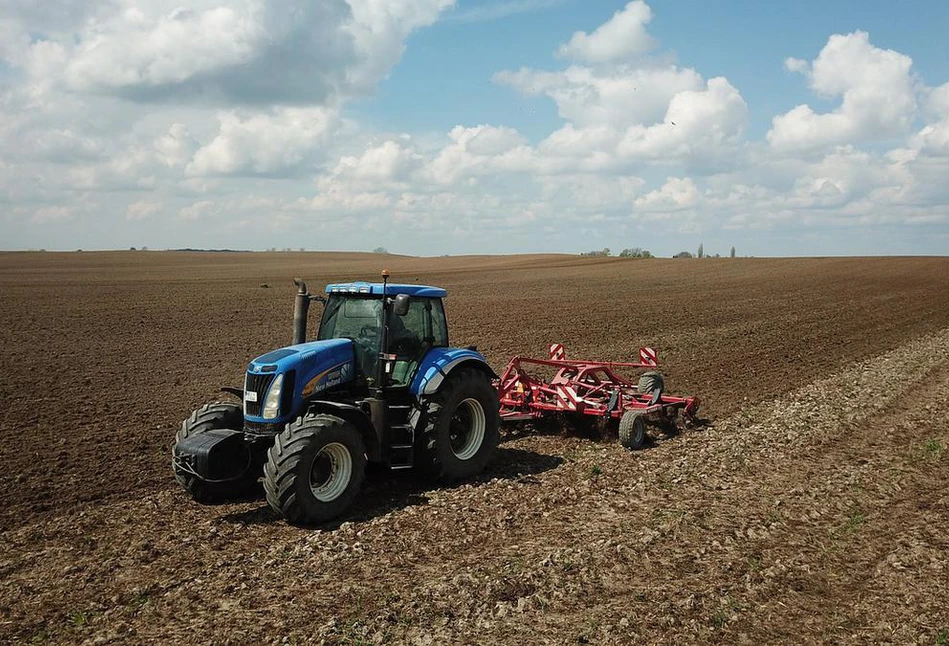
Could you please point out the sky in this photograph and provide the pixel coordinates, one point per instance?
(432, 127)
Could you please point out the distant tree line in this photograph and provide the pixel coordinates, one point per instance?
(603, 253)
(633, 252)
(639, 252)
(700, 253)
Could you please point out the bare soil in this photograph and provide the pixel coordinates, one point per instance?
(812, 510)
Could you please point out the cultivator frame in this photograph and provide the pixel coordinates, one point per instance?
(586, 388)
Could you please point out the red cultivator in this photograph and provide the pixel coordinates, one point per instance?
(593, 388)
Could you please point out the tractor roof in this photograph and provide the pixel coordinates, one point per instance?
(391, 289)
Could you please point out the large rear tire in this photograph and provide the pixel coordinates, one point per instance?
(314, 469)
(211, 417)
(460, 427)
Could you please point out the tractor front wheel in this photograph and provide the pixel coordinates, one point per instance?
(214, 417)
(314, 469)
(459, 427)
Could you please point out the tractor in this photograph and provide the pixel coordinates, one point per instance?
(379, 384)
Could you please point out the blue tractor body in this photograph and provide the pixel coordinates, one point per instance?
(379, 383)
(304, 370)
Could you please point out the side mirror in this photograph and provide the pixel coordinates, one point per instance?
(401, 305)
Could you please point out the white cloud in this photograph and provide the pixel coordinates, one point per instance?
(251, 52)
(878, 98)
(486, 140)
(141, 210)
(199, 209)
(499, 9)
(48, 214)
(937, 101)
(264, 143)
(65, 146)
(341, 196)
(588, 192)
(177, 146)
(617, 95)
(479, 150)
(379, 29)
(932, 141)
(695, 121)
(387, 162)
(139, 48)
(676, 194)
(796, 65)
(620, 38)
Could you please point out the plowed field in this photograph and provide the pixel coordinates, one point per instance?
(813, 508)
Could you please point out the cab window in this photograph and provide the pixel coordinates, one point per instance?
(413, 335)
(357, 318)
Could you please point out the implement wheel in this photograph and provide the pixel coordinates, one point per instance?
(314, 469)
(632, 430)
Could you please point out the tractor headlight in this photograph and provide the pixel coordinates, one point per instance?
(272, 403)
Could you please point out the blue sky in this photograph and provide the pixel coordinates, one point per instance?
(746, 42)
(433, 126)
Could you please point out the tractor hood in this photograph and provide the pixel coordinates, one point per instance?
(300, 355)
(307, 369)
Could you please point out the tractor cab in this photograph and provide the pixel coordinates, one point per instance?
(401, 333)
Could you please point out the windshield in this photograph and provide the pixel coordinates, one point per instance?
(358, 318)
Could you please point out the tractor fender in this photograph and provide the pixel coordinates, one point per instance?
(440, 362)
(355, 416)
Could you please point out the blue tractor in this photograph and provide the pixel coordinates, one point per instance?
(379, 384)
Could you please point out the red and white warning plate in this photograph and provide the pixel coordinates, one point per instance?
(557, 352)
(648, 357)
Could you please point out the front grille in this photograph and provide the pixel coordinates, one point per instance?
(258, 384)
(256, 430)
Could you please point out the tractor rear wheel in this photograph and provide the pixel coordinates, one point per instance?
(212, 417)
(460, 427)
(632, 430)
(314, 469)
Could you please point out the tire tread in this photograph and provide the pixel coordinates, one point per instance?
(283, 460)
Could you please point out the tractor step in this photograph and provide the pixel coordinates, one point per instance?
(405, 408)
(402, 447)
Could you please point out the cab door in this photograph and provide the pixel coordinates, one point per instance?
(411, 336)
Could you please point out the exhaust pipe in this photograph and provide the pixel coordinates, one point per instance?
(301, 306)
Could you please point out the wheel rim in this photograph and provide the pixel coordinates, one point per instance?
(466, 429)
(640, 431)
(331, 471)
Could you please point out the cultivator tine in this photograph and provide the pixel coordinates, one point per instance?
(613, 401)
